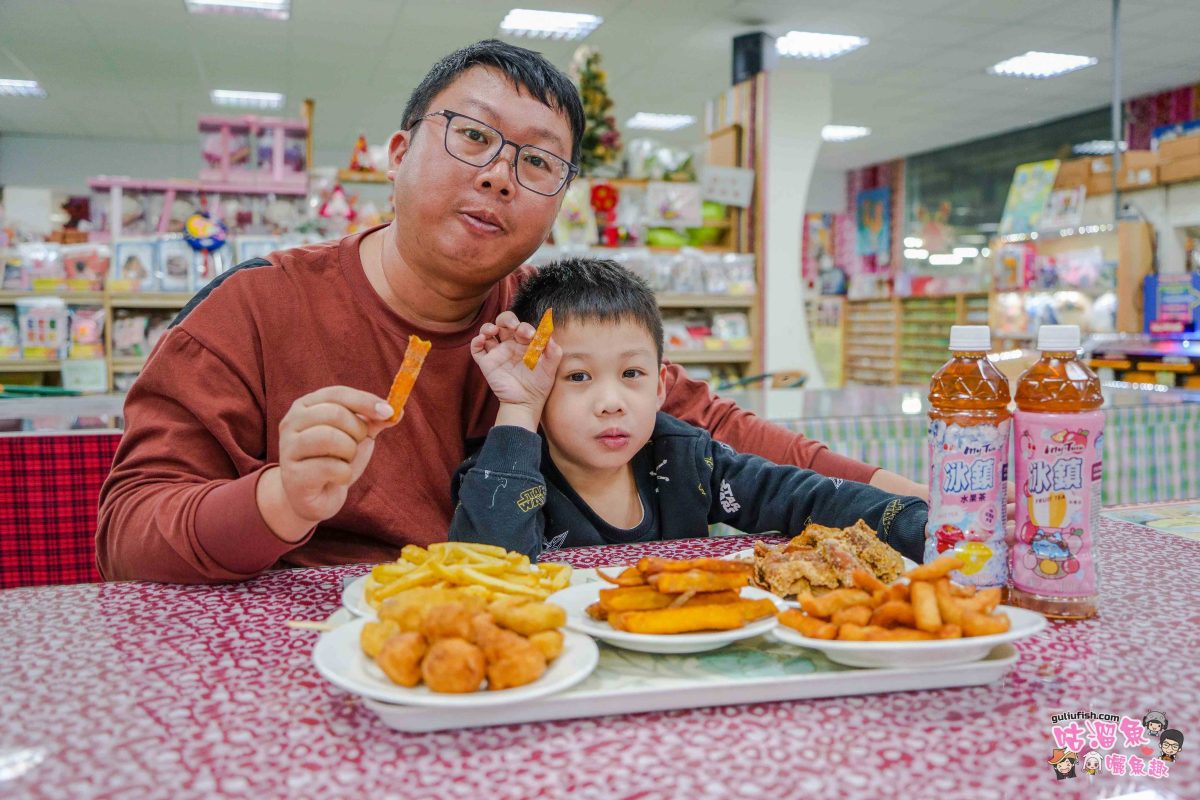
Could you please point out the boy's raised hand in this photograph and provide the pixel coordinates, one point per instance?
(499, 350)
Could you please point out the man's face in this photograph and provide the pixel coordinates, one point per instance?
(606, 393)
(1170, 747)
(465, 227)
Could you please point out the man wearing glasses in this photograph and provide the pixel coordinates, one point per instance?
(255, 435)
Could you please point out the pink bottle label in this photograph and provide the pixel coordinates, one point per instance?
(968, 472)
(1059, 460)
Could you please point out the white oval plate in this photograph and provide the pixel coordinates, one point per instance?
(939, 653)
(340, 660)
(354, 598)
(576, 599)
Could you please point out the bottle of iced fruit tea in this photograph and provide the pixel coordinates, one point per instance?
(1059, 455)
(969, 424)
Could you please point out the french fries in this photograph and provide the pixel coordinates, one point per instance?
(406, 377)
(541, 338)
(493, 571)
(927, 608)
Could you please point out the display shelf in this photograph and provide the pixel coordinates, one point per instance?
(359, 176)
(150, 300)
(70, 298)
(867, 359)
(30, 365)
(668, 300)
(709, 356)
(128, 363)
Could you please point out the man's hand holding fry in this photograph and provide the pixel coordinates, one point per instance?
(499, 350)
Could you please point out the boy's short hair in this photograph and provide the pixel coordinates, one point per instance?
(591, 290)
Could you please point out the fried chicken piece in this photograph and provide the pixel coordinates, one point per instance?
(447, 621)
(529, 618)
(795, 572)
(549, 642)
(400, 658)
(453, 666)
(374, 634)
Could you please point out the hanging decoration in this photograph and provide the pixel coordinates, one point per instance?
(601, 140)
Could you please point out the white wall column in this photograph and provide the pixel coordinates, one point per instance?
(798, 104)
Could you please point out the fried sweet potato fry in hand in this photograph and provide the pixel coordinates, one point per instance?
(541, 338)
(698, 581)
(687, 619)
(406, 377)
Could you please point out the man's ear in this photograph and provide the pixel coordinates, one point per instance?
(398, 147)
(662, 385)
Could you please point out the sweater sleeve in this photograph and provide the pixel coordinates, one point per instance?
(756, 496)
(179, 504)
(692, 402)
(499, 493)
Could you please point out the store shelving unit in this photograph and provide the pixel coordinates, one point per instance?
(871, 352)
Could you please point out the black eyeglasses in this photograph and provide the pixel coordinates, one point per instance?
(477, 143)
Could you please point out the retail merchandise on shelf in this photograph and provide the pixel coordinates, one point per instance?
(261, 154)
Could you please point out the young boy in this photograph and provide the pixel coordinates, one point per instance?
(611, 468)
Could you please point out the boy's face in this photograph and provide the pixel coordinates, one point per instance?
(608, 388)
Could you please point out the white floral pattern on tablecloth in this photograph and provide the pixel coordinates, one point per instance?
(136, 690)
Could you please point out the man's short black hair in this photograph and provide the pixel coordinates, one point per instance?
(591, 290)
(526, 69)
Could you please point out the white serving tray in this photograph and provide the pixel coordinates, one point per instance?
(755, 670)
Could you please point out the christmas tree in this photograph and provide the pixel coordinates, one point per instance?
(601, 139)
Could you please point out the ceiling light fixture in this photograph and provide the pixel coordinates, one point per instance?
(659, 122)
(230, 97)
(966, 252)
(844, 133)
(805, 44)
(270, 9)
(916, 253)
(945, 260)
(549, 24)
(1035, 64)
(13, 87)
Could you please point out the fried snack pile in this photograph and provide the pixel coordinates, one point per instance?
(454, 639)
(928, 607)
(494, 571)
(406, 377)
(822, 559)
(660, 596)
(541, 338)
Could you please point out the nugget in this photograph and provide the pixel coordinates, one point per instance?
(447, 621)
(549, 642)
(519, 663)
(529, 618)
(374, 634)
(400, 658)
(453, 666)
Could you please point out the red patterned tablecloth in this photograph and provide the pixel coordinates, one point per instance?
(141, 690)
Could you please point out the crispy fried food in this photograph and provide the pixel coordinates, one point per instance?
(686, 619)
(976, 624)
(517, 665)
(854, 615)
(652, 566)
(408, 609)
(925, 607)
(752, 610)
(827, 604)
(447, 621)
(597, 611)
(482, 569)
(821, 559)
(647, 598)
(374, 634)
(400, 658)
(892, 614)
(950, 610)
(453, 666)
(938, 568)
(630, 576)
(898, 635)
(402, 385)
(541, 338)
(529, 618)
(549, 642)
(812, 627)
(695, 580)
(867, 581)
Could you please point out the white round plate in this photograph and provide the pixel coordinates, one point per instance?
(340, 660)
(576, 599)
(354, 598)
(938, 653)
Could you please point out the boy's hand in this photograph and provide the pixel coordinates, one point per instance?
(499, 350)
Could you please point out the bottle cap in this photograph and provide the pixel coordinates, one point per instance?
(1058, 338)
(971, 338)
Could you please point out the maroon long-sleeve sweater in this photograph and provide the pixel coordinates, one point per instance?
(202, 423)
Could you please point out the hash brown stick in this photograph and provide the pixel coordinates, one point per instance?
(687, 619)
(652, 566)
(406, 377)
(698, 581)
(541, 338)
(647, 598)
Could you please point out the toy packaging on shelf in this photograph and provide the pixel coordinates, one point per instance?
(135, 333)
(174, 266)
(10, 336)
(576, 220)
(687, 271)
(673, 205)
(43, 267)
(85, 266)
(133, 268)
(44, 324)
(87, 332)
(248, 247)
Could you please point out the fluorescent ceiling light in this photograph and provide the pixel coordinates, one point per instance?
(805, 44)
(1035, 64)
(19, 88)
(844, 133)
(916, 254)
(966, 252)
(271, 9)
(659, 122)
(229, 97)
(549, 24)
(913, 241)
(1097, 147)
(945, 260)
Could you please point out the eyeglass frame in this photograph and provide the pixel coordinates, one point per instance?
(572, 169)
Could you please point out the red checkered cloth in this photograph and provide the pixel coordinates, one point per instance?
(49, 490)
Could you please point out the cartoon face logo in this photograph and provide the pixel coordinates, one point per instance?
(1063, 762)
(1051, 550)
(1091, 763)
(1155, 723)
(1171, 742)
